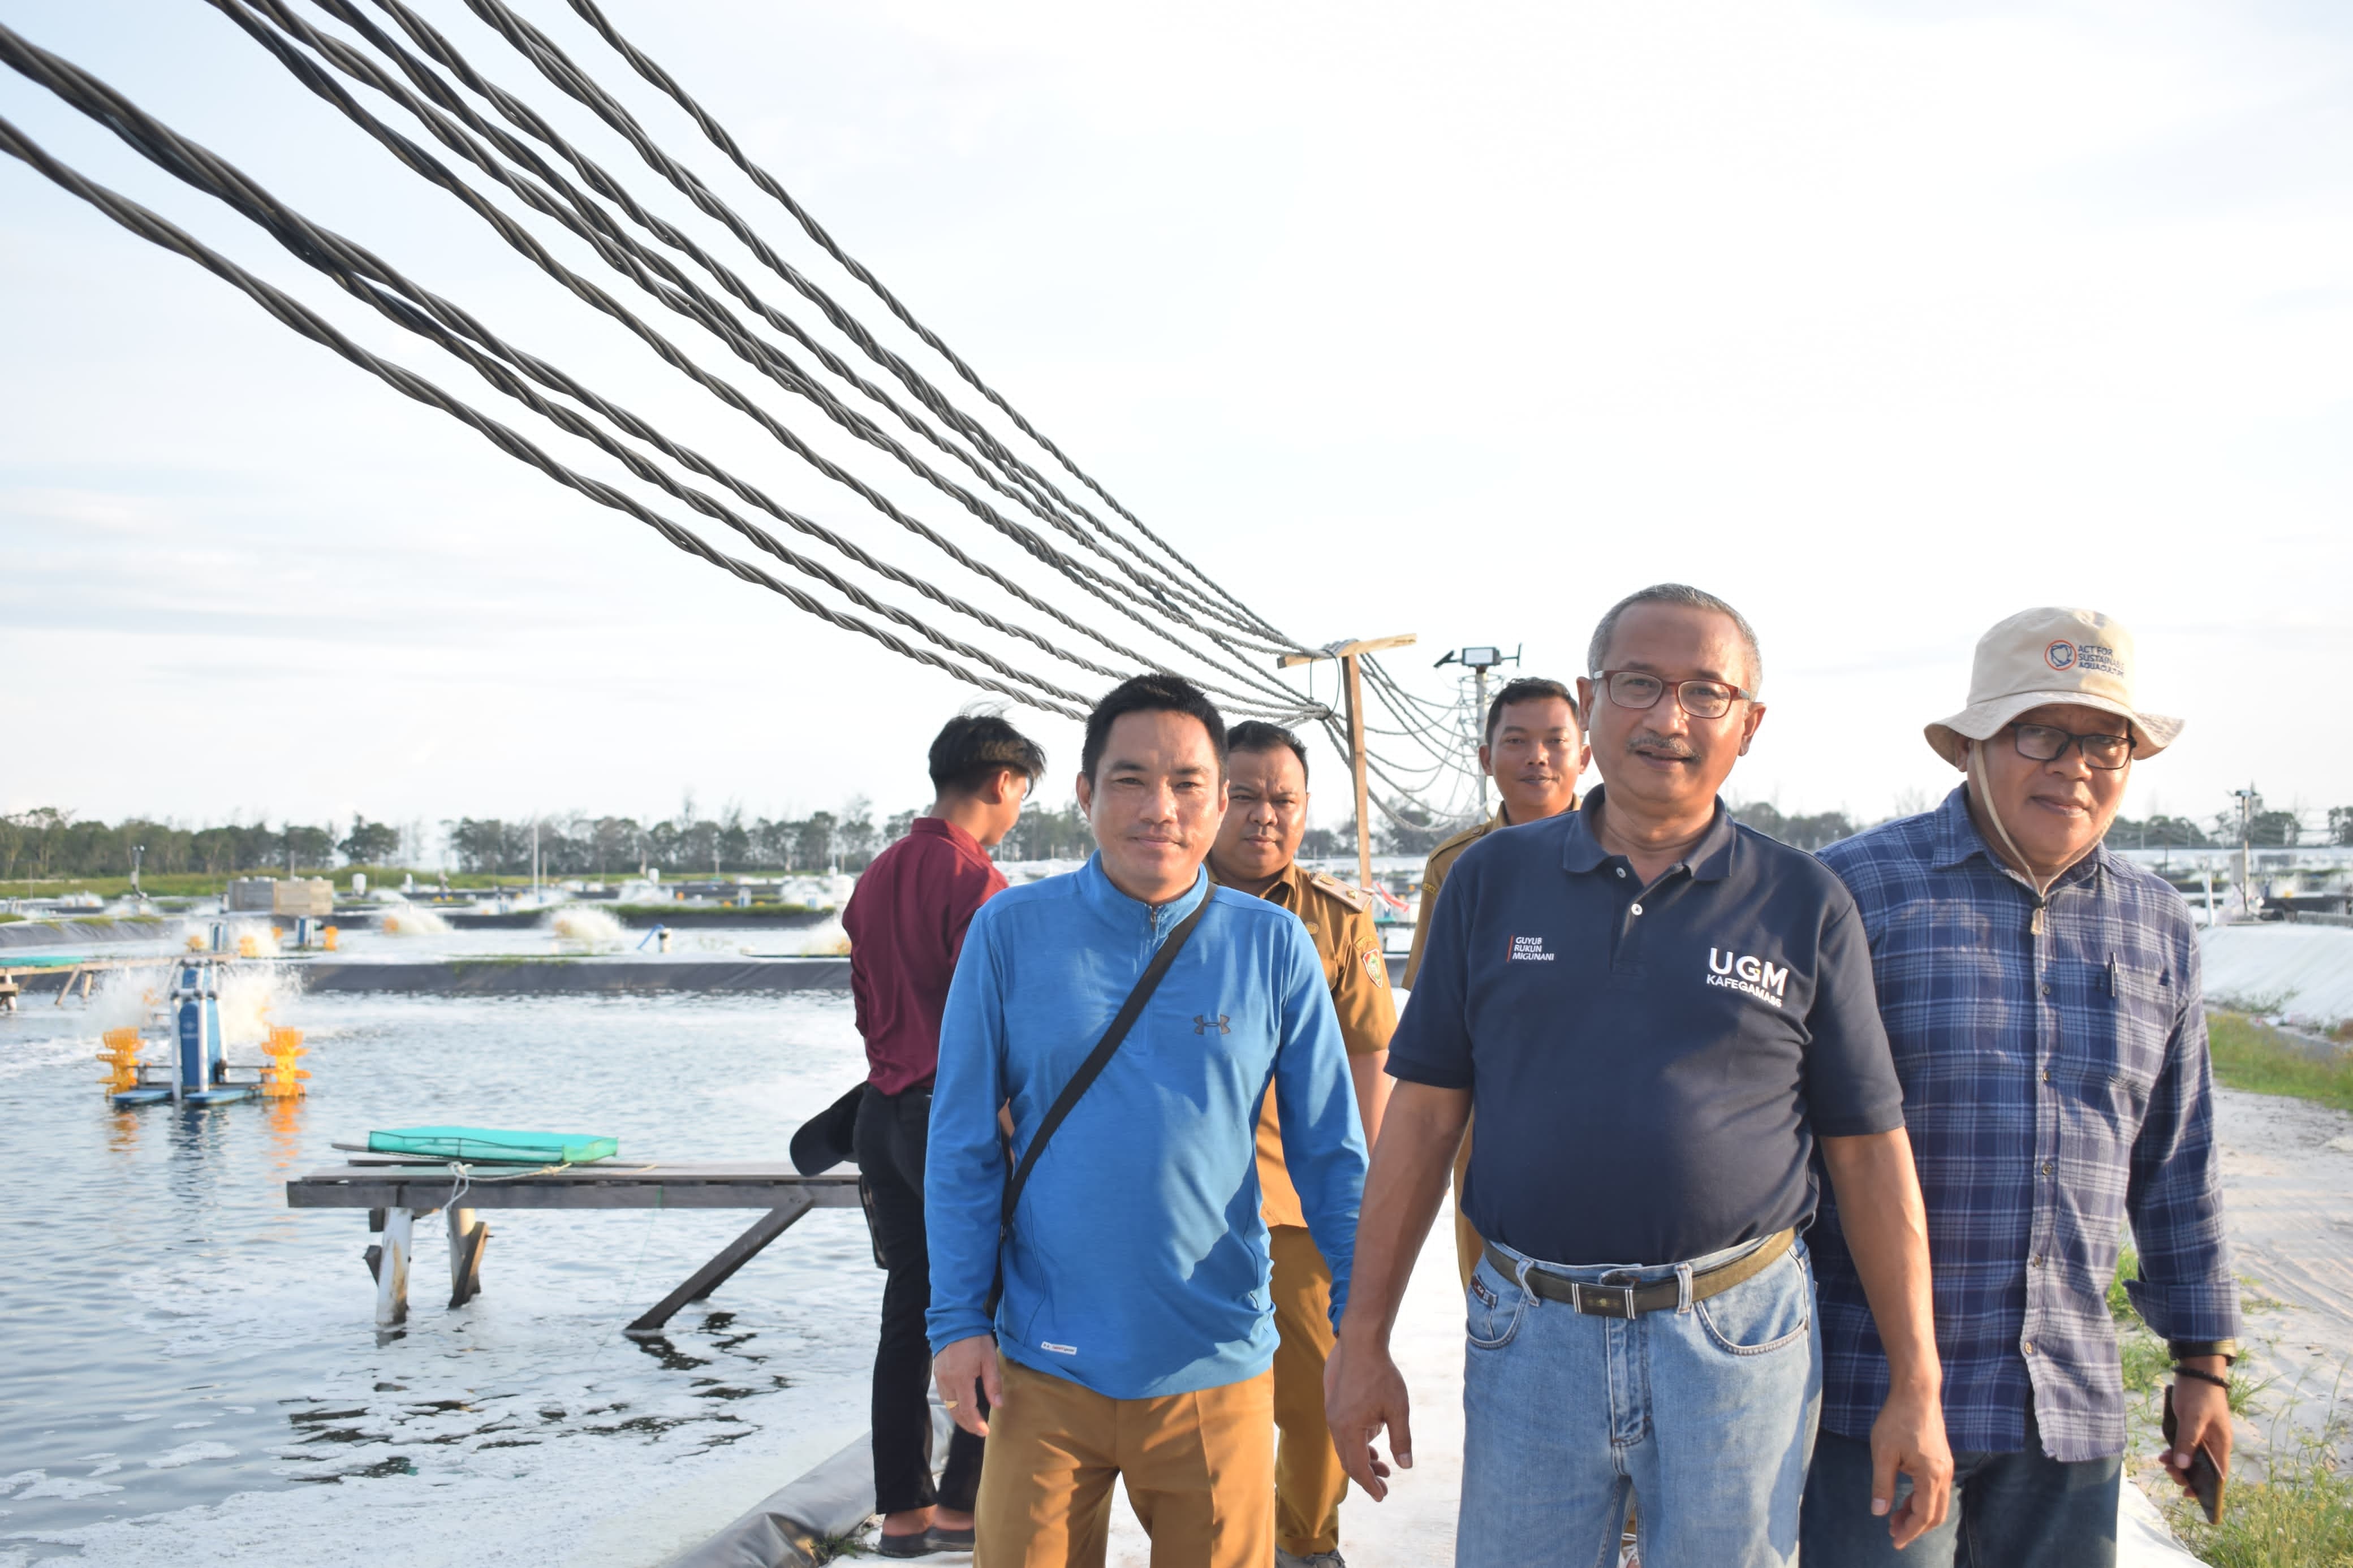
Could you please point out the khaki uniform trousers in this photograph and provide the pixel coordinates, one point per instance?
(1199, 1469)
(1308, 1480)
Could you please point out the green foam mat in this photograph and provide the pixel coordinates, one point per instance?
(492, 1146)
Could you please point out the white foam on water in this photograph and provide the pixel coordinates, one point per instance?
(585, 925)
(250, 998)
(260, 936)
(68, 1488)
(410, 920)
(828, 938)
(123, 997)
(191, 1453)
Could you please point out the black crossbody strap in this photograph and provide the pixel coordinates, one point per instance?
(1100, 1057)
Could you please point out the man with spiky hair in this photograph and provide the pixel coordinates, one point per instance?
(906, 922)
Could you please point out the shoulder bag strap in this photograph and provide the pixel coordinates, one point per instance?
(1097, 1059)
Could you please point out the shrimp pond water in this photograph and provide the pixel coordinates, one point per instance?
(189, 1371)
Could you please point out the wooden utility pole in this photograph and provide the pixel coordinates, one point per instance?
(1347, 653)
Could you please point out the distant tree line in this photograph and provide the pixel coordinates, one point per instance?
(577, 844)
(1798, 832)
(2267, 828)
(48, 842)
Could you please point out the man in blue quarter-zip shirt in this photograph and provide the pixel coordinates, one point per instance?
(1135, 1335)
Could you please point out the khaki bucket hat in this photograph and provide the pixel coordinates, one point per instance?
(2050, 656)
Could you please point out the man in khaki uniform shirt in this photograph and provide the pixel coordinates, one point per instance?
(1535, 752)
(1266, 775)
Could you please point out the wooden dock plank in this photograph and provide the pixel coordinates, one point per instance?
(397, 1192)
(708, 1187)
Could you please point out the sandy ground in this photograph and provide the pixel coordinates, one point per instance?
(2287, 1176)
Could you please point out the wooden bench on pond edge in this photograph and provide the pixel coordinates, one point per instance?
(397, 1191)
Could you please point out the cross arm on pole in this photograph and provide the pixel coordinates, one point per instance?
(1348, 653)
(1343, 650)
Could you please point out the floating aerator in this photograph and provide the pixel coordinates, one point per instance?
(281, 1079)
(122, 1057)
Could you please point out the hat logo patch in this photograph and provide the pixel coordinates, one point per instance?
(2060, 655)
(2094, 657)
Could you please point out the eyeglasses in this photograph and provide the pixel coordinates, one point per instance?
(1700, 698)
(2046, 744)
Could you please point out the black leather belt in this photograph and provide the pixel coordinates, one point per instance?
(1613, 1297)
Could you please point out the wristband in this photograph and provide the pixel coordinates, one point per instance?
(2221, 1382)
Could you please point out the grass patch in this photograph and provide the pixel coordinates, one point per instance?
(829, 1548)
(2146, 1358)
(2252, 1056)
(2299, 1516)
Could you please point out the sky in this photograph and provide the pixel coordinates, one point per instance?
(1882, 321)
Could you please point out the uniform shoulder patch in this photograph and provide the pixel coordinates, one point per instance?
(1376, 965)
(1332, 886)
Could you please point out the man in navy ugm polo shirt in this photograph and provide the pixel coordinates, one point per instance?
(1659, 1015)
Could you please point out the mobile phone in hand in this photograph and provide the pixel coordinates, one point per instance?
(2205, 1476)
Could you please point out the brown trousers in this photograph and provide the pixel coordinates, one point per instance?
(1199, 1469)
(1308, 1480)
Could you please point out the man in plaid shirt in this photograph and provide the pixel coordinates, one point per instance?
(2042, 996)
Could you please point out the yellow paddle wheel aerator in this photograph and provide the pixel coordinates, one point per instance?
(281, 1079)
(121, 1058)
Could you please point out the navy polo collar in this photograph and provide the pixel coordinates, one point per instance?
(1709, 861)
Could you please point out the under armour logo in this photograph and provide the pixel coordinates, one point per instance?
(1202, 1025)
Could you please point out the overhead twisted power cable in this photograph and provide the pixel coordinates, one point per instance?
(153, 228)
(423, 163)
(1156, 586)
(367, 278)
(1231, 662)
(718, 136)
(1451, 814)
(1448, 732)
(549, 376)
(697, 305)
(579, 213)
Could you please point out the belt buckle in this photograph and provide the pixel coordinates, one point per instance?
(1607, 1301)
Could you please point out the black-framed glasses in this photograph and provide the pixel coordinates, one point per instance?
(1700, 698)
(2048, 744)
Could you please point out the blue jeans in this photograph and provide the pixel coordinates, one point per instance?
(1705, 1414)
(2010, 1510)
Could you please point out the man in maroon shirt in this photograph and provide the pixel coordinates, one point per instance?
(906, 922)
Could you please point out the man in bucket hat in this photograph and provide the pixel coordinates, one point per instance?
(2042, 999)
